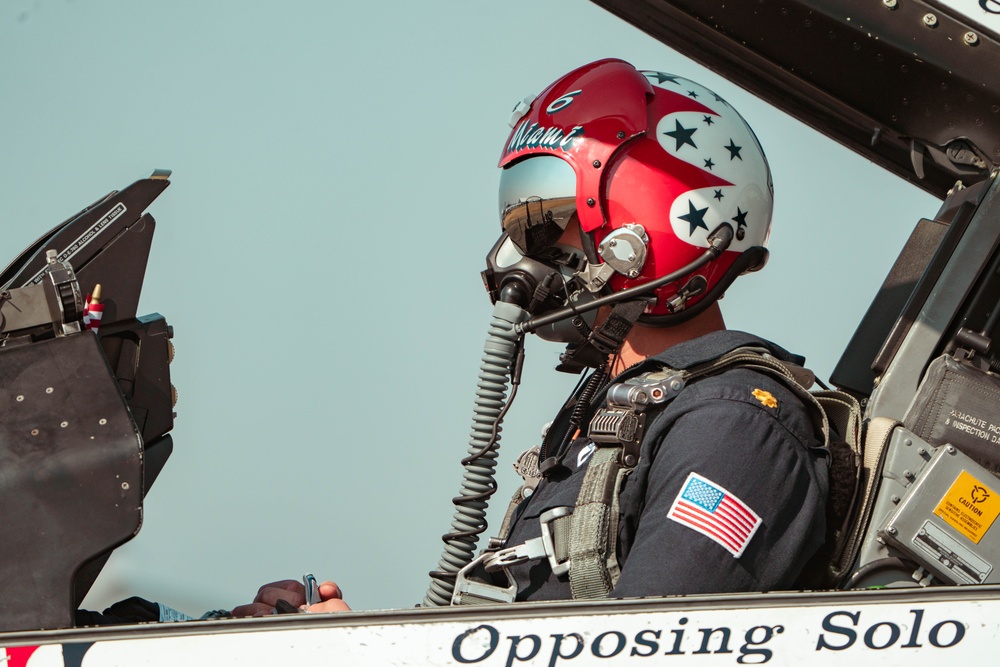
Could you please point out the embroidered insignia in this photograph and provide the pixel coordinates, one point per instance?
(765, 398)
(709, 509)
(585, 454)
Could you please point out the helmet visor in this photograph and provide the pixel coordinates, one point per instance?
(537, 201)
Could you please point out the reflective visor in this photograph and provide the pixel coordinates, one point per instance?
(537, 201)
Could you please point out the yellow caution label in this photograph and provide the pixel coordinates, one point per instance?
(969, 506)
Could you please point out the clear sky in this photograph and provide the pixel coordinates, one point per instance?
(333, 198)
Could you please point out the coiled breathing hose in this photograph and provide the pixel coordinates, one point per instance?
(499, 352)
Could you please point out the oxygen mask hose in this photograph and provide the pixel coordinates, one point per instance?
(501, 350)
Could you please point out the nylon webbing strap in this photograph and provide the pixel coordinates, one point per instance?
(594, 568)
(818, 414)
(621, 320)
(515, 502)
(593, 530)
(589, 535)
(473, 600)
(527, 467)
(876, 439)
(844, 414)
(760, 360)
(606, 339)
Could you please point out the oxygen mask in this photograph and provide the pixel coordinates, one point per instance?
(546, 281)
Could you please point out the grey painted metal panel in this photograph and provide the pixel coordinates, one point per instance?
(916, 95)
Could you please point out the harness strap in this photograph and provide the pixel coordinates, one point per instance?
(603, 341)
(583, 540)
(876, 439)
(594, 567)
(527, 467)
(594, 527)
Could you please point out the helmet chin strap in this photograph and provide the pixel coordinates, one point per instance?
(604, 340)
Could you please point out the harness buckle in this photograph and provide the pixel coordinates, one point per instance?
(623, 421)
(619, 426)
(533, 549)
(559, 568)
(522, 553)
(470, 591)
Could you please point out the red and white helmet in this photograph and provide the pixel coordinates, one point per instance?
(651, 164)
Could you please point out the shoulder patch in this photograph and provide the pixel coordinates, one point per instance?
(709, 509)
(766, 398)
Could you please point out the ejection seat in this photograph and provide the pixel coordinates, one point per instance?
(85, 413)
(930, 488)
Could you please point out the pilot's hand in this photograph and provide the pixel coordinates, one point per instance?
(289, 590)
(293, 593)
(333, 599)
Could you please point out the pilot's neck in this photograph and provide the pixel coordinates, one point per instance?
(646, 341)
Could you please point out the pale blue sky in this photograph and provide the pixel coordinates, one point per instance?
(332, 200)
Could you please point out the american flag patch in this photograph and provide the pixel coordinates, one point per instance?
(715, 513)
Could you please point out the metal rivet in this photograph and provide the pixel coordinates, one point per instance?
(64, 424)
(630, 460)
(895, 500)
(970, 38)
(125, 486)
(612, 243)
(102, 421)
(908, 475)
(890, 530)
(907, 442)
(591, 202)
(631, 258)
(930, 20)
(19, 399)
(527, 491)
(891, 4)
(48, 390)
(597, 163)
(950, 449)
(621, 134)
(634, 273)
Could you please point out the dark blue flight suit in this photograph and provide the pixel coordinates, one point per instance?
(741, 430)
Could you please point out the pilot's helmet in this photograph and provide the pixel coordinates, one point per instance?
(650, 164)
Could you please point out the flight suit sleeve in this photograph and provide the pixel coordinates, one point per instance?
(732, 500)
